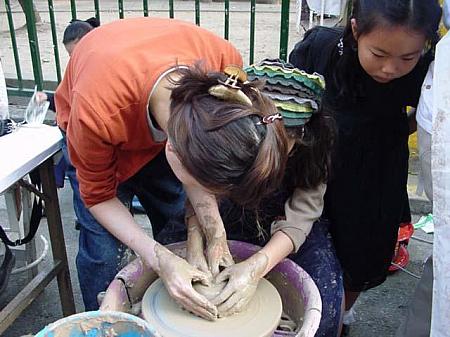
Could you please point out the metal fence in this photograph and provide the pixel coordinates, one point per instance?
(23, 86)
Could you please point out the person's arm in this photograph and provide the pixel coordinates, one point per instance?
(51, 99)
(205, 212)
(208, 216)
(302, 210)
(412, 122)
(195, 241)
(116, 218)
(243, 277)
(175, 272)
(42, 97)
(204, 204)
(279, 247)
(62, 97)
(92, 152)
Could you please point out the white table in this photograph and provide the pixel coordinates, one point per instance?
(319, 7)
(29, 148)
(330, 7)
(26, 149)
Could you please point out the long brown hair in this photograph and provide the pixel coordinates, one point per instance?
(222, 144)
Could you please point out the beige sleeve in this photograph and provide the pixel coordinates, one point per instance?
(302, 209)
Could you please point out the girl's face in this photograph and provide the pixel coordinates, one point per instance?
(178, 168)
(387, 53)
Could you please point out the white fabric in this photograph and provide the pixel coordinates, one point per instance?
(331, 7)
(4, 112)
(349, 317)
(440, 322)
(424, 114)
(446, 16)
(425, 179)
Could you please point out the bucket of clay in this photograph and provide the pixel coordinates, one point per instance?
(99, 324)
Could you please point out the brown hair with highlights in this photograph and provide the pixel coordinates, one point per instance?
(222, 144)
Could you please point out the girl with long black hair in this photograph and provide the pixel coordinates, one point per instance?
(373, 69)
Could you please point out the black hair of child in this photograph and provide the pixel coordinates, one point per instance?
(309, 163)
(79, 28)
(419, 15)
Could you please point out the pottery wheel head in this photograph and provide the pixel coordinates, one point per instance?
(260, 319)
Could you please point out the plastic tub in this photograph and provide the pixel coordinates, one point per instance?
(99, 324)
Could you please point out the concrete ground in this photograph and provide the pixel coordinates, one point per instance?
(267, 32)
(379, 310)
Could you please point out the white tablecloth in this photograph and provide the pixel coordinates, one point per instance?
(25, 149)
(332, 7)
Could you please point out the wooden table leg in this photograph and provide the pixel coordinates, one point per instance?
(55, 229)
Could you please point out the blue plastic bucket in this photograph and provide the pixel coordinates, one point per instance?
(99, 324)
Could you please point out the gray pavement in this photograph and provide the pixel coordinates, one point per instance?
(267, 33)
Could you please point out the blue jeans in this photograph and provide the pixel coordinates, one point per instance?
(318, 258)
(100, 254)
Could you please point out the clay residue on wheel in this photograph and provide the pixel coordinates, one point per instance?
(209, 291)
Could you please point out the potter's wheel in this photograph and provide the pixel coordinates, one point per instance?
(260, 318)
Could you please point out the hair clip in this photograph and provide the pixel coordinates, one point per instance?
(270, 119)
(230, 90)
(235, 74)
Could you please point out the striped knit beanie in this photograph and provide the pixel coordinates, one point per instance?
(295, 93)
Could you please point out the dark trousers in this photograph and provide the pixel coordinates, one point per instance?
(316, 256)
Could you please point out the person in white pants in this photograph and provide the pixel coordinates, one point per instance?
(4, 112)
(418, 317)
(418, 322)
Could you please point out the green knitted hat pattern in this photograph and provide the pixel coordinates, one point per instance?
(295, 93)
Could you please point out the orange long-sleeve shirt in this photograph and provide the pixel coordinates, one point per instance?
(102, 100)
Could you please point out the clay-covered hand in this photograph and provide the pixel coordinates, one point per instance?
(195, 250)
(208, 216)
(178, 275)
(217, 252)
(243, 280)
(40, 97)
